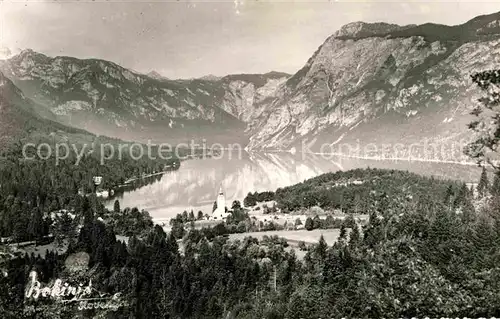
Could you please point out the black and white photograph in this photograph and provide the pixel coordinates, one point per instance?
(249, 159)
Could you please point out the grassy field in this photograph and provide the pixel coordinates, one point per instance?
(295, 236)
(40, 250)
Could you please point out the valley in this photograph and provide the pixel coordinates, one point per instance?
(348, 187)
(366, 84)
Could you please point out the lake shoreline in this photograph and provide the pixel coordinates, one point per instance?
(195, 183)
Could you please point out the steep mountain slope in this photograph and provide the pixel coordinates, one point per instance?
(382, 84)
(19, 119)
(108, 99)
(245, 95)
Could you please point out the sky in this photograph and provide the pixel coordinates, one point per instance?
(185, 39)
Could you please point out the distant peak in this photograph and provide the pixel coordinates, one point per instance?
(363, 29)
(157, 76)
(210, 77)
(28, 53)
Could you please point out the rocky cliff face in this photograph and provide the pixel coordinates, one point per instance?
(368, 84)
(246, 95)
(106, 98)
(381, 83)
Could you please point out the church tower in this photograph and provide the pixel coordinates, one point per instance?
(220, 211)
(221, 200)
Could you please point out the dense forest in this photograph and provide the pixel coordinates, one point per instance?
(431, 248)
(32, 189)
(429, 255)
(354, 191)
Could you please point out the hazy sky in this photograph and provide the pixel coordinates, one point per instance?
(183, 38)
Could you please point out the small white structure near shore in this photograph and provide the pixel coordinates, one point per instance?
(102, 193)
(220, 212)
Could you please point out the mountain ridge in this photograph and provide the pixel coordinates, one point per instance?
(367, 80)
(157, 76)
(105, 98)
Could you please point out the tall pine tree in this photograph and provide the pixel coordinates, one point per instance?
(483, 186)
(495, 188)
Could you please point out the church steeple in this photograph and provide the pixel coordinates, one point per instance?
(220, 212)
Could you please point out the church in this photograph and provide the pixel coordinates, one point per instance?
(220, 212)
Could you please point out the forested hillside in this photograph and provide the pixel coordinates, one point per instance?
(36, 181)
(419, 255)
(430, 247)
(354, 191)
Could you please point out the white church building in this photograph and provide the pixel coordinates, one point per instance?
(220, 212)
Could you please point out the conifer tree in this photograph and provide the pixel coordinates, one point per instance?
(448, 199)
(343, 233)
(309, 224)
(116, 207)
(317, 222)
(354, 236)
(483, 185)
(495, 188)
(373, 232)
(321, 248)
(483, 239)
(35, 226)
(462, 197)
(486, 125)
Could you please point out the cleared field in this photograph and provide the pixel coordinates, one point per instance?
(40, 250)
(295, 236)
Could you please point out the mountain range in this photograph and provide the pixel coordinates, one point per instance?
(368, 83)
(383, 83)
(105, 98)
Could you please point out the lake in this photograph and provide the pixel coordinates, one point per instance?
(196, 183)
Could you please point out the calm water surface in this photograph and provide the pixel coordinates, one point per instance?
(196, 183)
